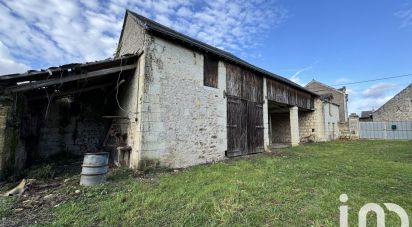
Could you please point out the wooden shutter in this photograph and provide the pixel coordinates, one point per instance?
(210, 71)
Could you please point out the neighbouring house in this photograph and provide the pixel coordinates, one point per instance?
(165, 98)
(366, 116)
(399, 108)
(339, 96)
(331, 117)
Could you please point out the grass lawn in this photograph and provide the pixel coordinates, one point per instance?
(293, 187)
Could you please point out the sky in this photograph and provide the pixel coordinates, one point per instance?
(335, 42)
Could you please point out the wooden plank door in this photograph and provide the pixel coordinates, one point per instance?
(236, 130)
(244, 111)
(255, 128)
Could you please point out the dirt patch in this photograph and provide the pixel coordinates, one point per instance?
(50, 186)
(35, 206)
(37, 202)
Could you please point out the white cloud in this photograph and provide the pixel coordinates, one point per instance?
(378, 90)
(372, 97)
(184, 12)
(405, 16)
(296, 78)
(358, 104)
(54, 32)
(7, 64)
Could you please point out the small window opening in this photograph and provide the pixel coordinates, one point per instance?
(210, 75)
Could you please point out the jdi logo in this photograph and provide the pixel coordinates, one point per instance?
(372, 207)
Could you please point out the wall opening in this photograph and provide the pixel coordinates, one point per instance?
(210, 71)
(279, 123)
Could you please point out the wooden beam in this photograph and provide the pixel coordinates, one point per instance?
(57, 70)
(66, 79)
(73, 92)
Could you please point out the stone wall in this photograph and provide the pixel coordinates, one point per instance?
(354, 127)
(311, 127)
(133, 39)
(71, 127)
(399, 108)
(183, 121)
(131, 101)
(280, 132)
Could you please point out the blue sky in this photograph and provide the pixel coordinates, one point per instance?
(335, 42)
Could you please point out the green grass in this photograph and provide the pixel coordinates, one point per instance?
(297, 187)
(6, 204)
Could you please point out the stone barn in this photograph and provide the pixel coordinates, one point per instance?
(165, 98)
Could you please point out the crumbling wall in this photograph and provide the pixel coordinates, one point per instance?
(349, 130)
(183, 121)
(354, 127)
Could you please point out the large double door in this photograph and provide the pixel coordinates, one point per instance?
(244, 111)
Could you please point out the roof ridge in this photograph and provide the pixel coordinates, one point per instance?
(164, 30)
(410, 85)
(316, 81)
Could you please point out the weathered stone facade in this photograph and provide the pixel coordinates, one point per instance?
(183, 121)
(399, 108)
(339, 97)
(180, 122)
(311, 127)
(133, 38)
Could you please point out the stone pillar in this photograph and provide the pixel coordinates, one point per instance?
(294, 126)
(354, 126)
(265, 116)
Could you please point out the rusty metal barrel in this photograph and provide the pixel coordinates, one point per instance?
(94, 168)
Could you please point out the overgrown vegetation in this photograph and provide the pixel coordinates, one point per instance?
(291, 187)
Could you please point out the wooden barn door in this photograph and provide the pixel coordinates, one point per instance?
(244, 112)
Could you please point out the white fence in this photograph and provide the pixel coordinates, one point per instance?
(391, 130)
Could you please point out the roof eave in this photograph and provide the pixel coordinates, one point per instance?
(210, 49)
